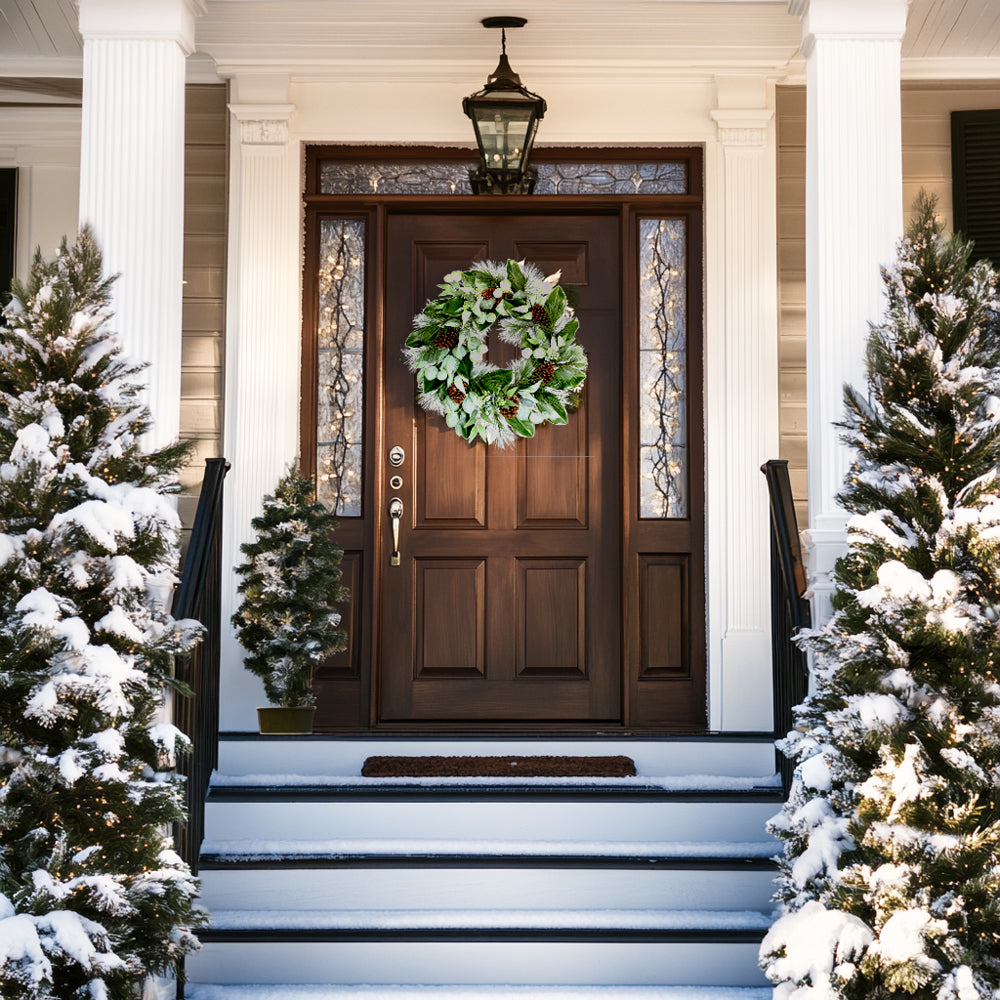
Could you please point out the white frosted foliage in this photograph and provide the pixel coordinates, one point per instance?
(90, 533)
(890, 876)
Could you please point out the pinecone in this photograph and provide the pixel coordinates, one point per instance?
(446, 338)
(511, 411)
(488, 293)
(544, 371)
(456, 394)
(540, 315)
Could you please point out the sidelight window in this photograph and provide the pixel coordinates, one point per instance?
(340, 399)
(663, 465)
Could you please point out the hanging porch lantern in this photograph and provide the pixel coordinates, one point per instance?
(505, 115)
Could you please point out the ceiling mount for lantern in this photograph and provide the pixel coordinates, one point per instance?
(505, 115)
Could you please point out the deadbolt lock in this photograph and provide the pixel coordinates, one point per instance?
(396, 482)
(396, 456)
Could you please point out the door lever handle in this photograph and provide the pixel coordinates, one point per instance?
(395, 513)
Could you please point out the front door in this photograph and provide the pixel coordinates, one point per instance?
(506, 604)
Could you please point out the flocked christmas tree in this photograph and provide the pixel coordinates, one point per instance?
(287, 620)
(92, 898)
(891, 873)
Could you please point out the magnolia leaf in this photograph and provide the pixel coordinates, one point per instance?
(525, 428)
(516, 276)
(555, 304)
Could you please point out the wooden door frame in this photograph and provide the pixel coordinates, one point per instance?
(350, 681)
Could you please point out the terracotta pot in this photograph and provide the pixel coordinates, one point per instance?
(278, 721)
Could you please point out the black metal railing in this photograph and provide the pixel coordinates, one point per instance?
(789, 607)
(200, 596)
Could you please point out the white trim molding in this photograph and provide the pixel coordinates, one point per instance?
(141, 20)
(743, 390)
(262, 351)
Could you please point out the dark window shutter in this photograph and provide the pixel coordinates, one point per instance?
(975, 179)
(8, 227)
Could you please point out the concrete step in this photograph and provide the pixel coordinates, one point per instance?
(448, 955)
(732, 754)
(562, 817)
(387, 883)
(329, 991)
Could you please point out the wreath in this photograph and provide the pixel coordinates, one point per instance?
(448, 343)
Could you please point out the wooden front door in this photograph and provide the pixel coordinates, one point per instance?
(506, 605)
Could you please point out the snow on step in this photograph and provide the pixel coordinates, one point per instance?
(331, 992)
(261, 850)
(670, 783)
(487, 920)
(726, 755)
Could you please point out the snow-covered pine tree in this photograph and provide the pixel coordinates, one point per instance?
(287, 620)
(92, 898)
(890, 878)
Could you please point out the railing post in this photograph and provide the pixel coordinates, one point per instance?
(199, 597)
(789, 608)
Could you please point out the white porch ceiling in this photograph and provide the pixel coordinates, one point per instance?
(443, 38)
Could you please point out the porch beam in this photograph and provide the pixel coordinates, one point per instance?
(132, 177)
(854, 217)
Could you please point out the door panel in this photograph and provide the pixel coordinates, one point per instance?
(506, 604)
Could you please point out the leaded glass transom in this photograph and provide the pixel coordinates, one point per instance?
(663, 463)
(339, 442)
(368, 177)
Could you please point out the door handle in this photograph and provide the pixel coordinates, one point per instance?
(395, 513)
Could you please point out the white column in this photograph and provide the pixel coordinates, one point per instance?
(854, 217)
(747, 410)
(132, 177)
(262, 351)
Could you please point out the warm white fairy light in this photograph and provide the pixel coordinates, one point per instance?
(341, 291)
(662, 402)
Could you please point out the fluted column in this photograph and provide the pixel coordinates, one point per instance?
(262, 351)
(854, 217)
(132, 177)
(748, 409)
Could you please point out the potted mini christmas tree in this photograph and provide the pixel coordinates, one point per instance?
(287, 620)
(92, 897)
(890, 878)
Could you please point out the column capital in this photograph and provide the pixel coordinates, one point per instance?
(850, 20)
(263, 124)
(141, 20)
(742, 126)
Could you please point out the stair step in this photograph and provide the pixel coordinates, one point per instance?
(334, 992)
(321, 754)
(572, 818)
(587, 960)
(506, 886)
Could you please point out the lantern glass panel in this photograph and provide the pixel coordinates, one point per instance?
(504, 134)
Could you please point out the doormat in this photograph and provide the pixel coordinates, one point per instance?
(498, 767)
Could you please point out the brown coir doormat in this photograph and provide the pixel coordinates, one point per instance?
(498, 767)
